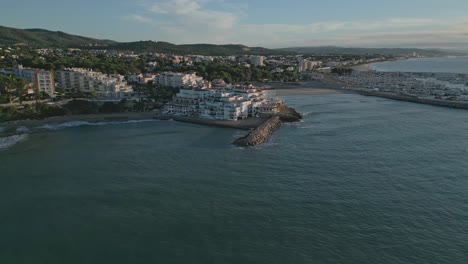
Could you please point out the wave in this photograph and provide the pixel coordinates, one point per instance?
(22, 129)
(10, 141)
(85, 123)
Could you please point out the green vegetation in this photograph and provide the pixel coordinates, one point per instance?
(45, 38)
(85, 107)
(234, 73)
(34, 111)
(83, 59)
(12, 88)
(74, 107)
(198, 49)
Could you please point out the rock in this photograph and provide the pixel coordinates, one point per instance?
(261, 134)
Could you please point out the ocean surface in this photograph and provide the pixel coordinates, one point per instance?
(439, 65)
(361, 180)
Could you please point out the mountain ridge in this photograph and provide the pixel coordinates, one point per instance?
(43, 38)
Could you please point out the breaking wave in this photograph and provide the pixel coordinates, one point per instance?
(22, 129)
(10, 141)
(84, 123)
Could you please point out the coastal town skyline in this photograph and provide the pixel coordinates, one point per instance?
(271, 24)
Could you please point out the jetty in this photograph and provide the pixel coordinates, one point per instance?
(262, 133)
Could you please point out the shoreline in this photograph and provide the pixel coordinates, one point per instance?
(364, 67)
(406, 98)
(244, 124)
(308, 88)
(306, 91)
(91, 118)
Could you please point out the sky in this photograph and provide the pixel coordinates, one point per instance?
(267, 23)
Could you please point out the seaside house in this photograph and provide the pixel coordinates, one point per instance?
(223, 102)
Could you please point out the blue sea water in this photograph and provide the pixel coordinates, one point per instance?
(436, 65)
(361, 180)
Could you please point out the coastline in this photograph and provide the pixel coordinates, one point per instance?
(307, 88)
(245, 124)
(398, 97)
(364, 67)
(306, 91)
(91, 118)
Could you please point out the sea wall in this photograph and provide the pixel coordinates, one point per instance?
(444, 103)
(261, 134)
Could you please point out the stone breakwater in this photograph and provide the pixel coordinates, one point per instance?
(444, 103)
(261, 134)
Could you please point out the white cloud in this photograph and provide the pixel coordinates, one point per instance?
(139, 18)
(191, 21)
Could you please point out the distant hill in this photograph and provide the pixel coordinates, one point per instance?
(46, 38)
(331, 50)
(196, 49)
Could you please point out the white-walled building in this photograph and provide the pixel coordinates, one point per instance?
(257, 60)
(44, 80)
(141, 78)
(229, 103)
(174, 79)
(305, 65)
(105, 85)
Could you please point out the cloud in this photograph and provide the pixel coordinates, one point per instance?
(140, 19)
(192, 21)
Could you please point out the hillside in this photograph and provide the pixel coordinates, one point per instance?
(331, 50)
(46, 38)
(198, 49)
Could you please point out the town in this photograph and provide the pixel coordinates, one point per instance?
(213, 87)
(43, 82)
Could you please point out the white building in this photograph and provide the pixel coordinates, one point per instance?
(105, 85)
(141, 78)
(174, 79)
(43, 80)
(304, 65)
(230, 103)
(257, 60)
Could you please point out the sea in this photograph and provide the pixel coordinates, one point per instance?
(432, 65)
(360, 180)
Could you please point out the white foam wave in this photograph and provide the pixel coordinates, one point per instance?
(10, 141)
(22, 129)
(84, 123)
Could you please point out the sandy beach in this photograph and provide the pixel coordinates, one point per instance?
(305, 91)
(363, 67)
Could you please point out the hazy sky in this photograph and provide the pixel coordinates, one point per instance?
(269, 23)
